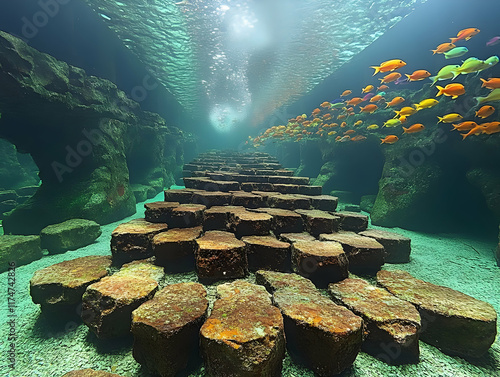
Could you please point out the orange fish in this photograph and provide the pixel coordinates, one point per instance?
(334, 124)
(343, 124)
(369, 108)
(395, 101)
(413, 129)
(306, 123)
(367, 89)
(346, 93)
(493, 83)
(382, 87)
(325, 104)
(354, 101)
(390, 77)
(358, 138)
(338, 138)
(376, 98)
(327, 116)
(478, 130)
(465, 34)
(341, 116)
(443, 47)
(316, 120)
(465, 126)
(349, 132)
(316, 112)
(491, 127)
(418, 75)
(451, 90)
(390, 65)
(390, 139)
(485, 111)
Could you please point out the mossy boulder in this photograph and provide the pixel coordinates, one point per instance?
(18, 250)
(69, 235)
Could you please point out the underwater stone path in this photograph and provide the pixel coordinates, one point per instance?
(243, 214)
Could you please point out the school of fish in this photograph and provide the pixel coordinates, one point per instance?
(332, 119)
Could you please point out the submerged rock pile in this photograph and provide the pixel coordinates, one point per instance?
(295, 244)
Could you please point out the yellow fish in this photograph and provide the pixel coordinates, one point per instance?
(469, 66)
(392, 123)
(490, 62)
(426, 104)
(493, 96)
(331, 133)
(445, 73)
(450, 118)
(372, 127)
(405, 111)
(358, 123)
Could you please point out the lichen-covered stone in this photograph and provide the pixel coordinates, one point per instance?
(159, 212)
(284, 221)
(166, 329)
(321, 262)
(392, 325)
(108, 304)
(317, 221)
(175, 248)
(246, 223)
(352, 221)
(267, 253)
(244, 335)
(220, 255)
(69, 235)
(397, 247)
(186, 216)
(366, 255)
(19, 250)
(90, 373)
(217, 217)
(454, 322)
(142, 269)
(63, 284)
(132, 240)
(274, 280)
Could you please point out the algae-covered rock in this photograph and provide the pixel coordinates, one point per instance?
(69, 235)
(89, 373)
(18, 250)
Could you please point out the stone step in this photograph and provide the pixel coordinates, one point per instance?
(166, 328)
(290, 202)
(352, 221)
(220, 255)
(324, 202)
(452, 321)
(267, 253)
(366, 255)
(174, 249)
(159, 212)
(321, 262)
(392, 325)
(246, 199)
(183, 196)
(244, 334)
(397, 247)
(317, 221)
(217, 217)
(186, 216)
(132, 240)
(212, 198)
(246, 223)
(295, 237)
(283, 221)
(324, 336)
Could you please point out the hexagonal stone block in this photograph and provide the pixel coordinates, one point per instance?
(352, 221)
(295, 237)
(324, 202)
(220, 255)
(63, 284)
(174, 249)
(212, 198)
(267, 253)
(321, 262)
(290, 202)
(246, 223)
(244, 335)
(454, 322)
(166, 329)
(397, 247)
(186, 216)
(217, 217)
(317, 221)
(182, 196)
(247, 199)
(159, 212)
(310, 190)
(283, 221)
(366, 255)
(392, 325)
(132, 240)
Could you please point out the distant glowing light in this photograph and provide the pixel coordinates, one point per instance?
(224, 8)
(224, 118)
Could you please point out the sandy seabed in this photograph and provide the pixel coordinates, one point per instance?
(48, 349)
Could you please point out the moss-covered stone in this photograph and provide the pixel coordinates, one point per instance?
(69, 235)
(18, 250)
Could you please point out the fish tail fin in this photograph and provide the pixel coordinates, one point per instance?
(440, 119)
(377, 70)
(440, 90)
(464, 136)
(484, 82)
(383, 141)
(404, 130)
(434, 79)
(434, 51)
(453, 40)
(397, 114)
(479, 100)
(408, 77)
(455, 74)
(381, 80)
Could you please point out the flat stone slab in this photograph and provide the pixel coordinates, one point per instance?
(352, 221)
(366, 255)
(166, 329)
(108, 304)
(324, 336)
(256, 186)
(265, 195)
(244, 335)
(212, 198)
(290, 202)
(63, 284)
(247, 199)
(159, 212)
(397, 247)
(224, 186)
(324, 202)
(321, 262)
(288, 180)
(90, 373)
(317, 221)
(183, 196)
(132, 240)
(286, 188)
(274, 280)
(295, 237)
(186, 216)
(198, 183)
(267, 253)
(142, 269)
(392, 325)
(20, 250)
(284, 221)
(220, 255)
(246, 223)
(174, 249)
(217, 217)
(310, 190)
(454, 322)
(69, 235)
